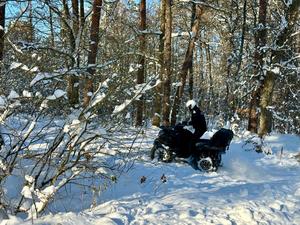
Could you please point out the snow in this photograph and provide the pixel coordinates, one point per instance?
(189, 128)
(121, 107)
(131, 68)
(42, 76)
(100, 93)
(27, 192)
(27, 94)
(177, 84)
(44, 104)
(29, 179)
(180, 34)
(283, 23)
(57, 94)
(2, 101)
(13, 94)
(3, 167)
(38, 94)
(24, 67)
(44, 194)
(34, 69)
(139, 90)
(15, 65)
(249, 188)
(276, 70)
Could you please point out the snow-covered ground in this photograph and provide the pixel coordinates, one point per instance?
(249, 188)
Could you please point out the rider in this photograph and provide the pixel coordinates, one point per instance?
(190, 132)
(198, 120)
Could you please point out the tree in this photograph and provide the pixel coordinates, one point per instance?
(141, 69)
(2, 26)
(69, 35)
(279, 55)
(187, 65)
(73, 80)
(159, 91)
(167, 64)
(260, 42)
(92, 56)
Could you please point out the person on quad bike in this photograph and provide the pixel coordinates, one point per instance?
(189, 132)
(181, 139)
(183, 142)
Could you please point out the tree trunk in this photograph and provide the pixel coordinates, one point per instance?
(188, 61)
(81, 12)
(191, 69)
(242, 38)
(265, 119)
(201, 68)
(167, 63)
(191, 81)
(277, 56)
(158, 91)
(73, 80)
(75, 17)
(51, 27)
(260, 41)
(141, 70)
(2, 27)
(94, 40)
(210, 87)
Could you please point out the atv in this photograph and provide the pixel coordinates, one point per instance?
(204, 154)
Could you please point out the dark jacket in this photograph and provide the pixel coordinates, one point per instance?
(198, 122)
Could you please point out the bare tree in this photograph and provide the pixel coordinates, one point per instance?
(92, 56)
(159, 91)
(2, 26)
(260, 42)
(210, 77)
(81, 13)
(279, 55)
(51, 27)
(73, 80)
(141, 69)
(188, 61)
(167, 64)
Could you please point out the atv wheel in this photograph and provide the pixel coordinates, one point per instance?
(205, 164)
(164, 155)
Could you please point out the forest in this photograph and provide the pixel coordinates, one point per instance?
(83, 82)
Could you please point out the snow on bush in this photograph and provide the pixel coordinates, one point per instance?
(13, 94)
(57, 94)
(2, 102)
(73, 151)
(44, 155)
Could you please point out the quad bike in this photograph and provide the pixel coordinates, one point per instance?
(203, 154)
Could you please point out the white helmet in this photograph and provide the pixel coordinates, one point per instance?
(190, 104)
